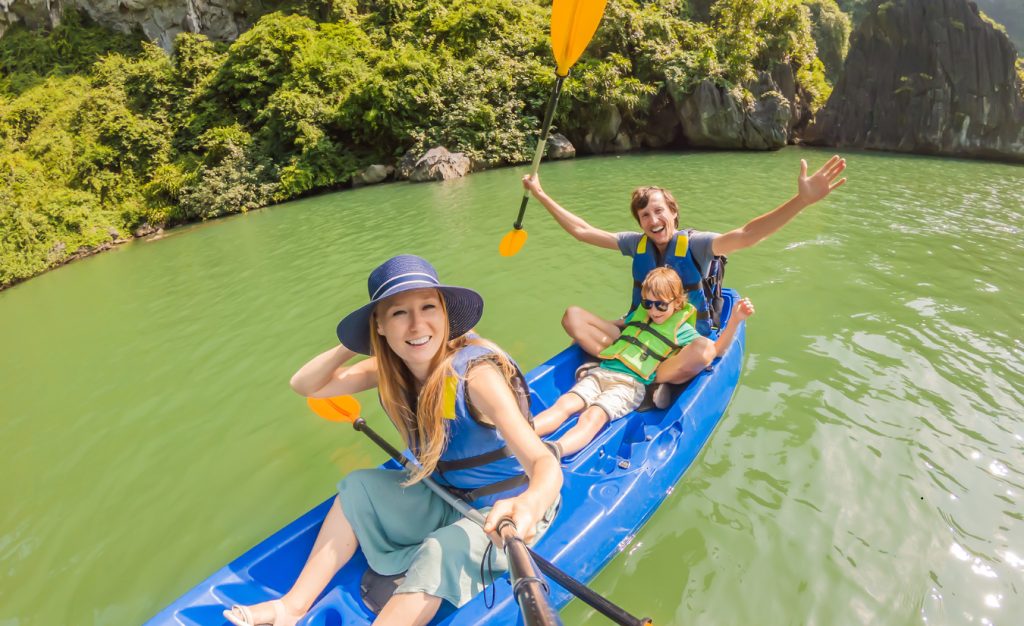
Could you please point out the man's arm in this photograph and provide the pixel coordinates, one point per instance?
(811, 189)
(573, 225)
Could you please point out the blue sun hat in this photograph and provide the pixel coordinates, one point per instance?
(405, 273)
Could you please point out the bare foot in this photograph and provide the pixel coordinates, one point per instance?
(274, 613)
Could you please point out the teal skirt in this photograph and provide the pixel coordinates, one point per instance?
(411, 529)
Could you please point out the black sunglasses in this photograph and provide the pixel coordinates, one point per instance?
(661, 306)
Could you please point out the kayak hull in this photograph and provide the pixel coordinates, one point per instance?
(611, 488)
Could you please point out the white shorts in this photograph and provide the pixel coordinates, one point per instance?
(616, 393)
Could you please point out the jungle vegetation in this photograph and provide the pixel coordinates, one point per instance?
(101, 132)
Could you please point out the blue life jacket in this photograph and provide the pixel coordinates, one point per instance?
(677, 256)
(476, 464)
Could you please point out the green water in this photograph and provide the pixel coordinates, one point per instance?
(868, 470)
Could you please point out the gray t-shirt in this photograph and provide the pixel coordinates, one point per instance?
(700, 247)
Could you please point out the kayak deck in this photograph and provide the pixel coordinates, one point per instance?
(610, 489)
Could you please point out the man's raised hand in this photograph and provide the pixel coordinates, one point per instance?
(532, 183)
(816, 187)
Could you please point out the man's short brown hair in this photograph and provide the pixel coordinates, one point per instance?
(642, 195)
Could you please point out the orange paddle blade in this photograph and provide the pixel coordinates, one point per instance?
(339, 409)
(573, 23)
(512, 242)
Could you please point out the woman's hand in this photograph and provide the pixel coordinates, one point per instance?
(533, 185)
(524, 513)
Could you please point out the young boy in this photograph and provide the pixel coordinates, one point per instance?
(653, 333)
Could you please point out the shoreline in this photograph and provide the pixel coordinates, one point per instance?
(162, 233)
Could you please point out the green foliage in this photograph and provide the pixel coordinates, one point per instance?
(830, 28)
(27, 56)
(855, 9)
(1020, 75)
(100, 132)
(991, 22)
(1009, 14)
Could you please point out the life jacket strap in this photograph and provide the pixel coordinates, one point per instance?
(703, 315)
(493, 488)
(474, 461)
(647, 327)
(692, 287)
(646, 352)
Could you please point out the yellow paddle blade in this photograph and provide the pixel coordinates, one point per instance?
(512, 242)
(573, 23)
(339, 409)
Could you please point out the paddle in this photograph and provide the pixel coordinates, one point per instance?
(346, 409)
(573, 23)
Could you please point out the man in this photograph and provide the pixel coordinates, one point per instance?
(657, 213)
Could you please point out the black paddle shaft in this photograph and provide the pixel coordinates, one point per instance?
(528, 587)
(548, 115)
(590, 598)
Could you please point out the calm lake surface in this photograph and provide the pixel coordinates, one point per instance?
(870, 468)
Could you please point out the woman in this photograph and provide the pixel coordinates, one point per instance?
(457, 401)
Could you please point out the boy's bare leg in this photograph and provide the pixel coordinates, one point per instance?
(593, 333)
(548, 421)
(690, 361)
(586, 428)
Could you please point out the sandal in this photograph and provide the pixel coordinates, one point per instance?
(247, 619)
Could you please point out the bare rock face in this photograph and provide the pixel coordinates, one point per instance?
(439, 164)
(370, 176)
(662, 126)
(559, 147)
(602, 130)
(160, 20)
(929, 77)
(712, 118)
(406, 164)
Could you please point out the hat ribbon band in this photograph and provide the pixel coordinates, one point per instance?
(432, 281)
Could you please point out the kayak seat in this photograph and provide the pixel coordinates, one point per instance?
(377, 589)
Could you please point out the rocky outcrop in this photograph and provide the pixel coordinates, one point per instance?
(929, 77)
(371, 175)
(406, 164)
(439, 164)
(712, 118)
(160, 20)
(559, 147)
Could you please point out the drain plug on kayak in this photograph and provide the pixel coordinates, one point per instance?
(624, 464)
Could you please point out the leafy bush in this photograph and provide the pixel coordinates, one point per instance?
(100, 132)
(27, 57)
(830, 28)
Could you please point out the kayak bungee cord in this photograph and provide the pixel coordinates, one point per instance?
(573, 23)
(346, 409)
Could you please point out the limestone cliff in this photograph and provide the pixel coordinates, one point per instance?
(929, 77)
(160, 20)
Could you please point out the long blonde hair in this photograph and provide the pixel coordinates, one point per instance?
(424, 431)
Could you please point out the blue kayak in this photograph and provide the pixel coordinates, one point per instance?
(611, 488)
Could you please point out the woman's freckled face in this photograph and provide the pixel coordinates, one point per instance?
(413, 322)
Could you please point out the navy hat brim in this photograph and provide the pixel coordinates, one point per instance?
(465, 307)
